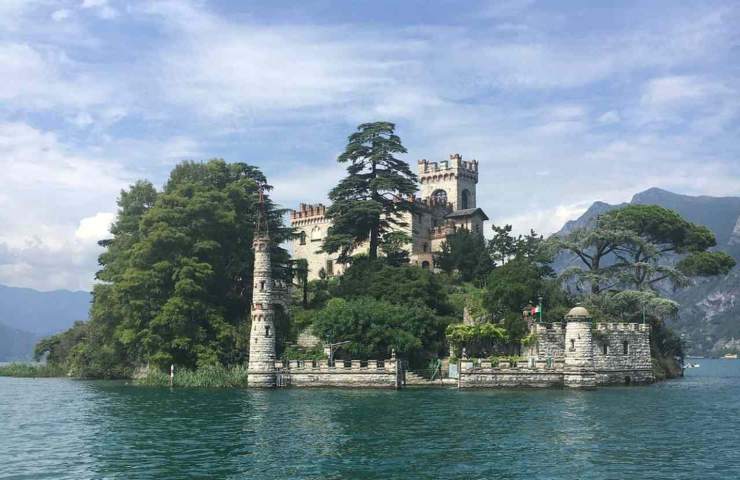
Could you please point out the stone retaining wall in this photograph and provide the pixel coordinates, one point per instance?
(355, 373)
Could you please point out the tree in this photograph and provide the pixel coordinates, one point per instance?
(177, 273)
(393, 246)
(664, 232)
(466, 253)
(503, 244)
(300, 270)
(640, 247)
(375, 327)
(371, 199)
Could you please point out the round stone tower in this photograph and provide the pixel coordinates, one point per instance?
(261, 369)
(579, 356)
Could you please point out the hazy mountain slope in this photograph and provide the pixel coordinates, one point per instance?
(42, 312)
(709, 317)
(16, 344)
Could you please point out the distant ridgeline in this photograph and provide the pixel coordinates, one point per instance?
(708, 313)
(26, 315)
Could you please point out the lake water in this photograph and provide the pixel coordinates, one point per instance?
(67, 429)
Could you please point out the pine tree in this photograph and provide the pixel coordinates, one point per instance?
(370, 200)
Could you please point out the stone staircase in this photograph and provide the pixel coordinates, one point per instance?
(413, 379)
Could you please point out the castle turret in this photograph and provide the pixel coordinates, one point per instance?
(450, 182)
(261, 370)
(579, 356)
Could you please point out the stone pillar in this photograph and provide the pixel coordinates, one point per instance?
(261, 370)
(579, 356)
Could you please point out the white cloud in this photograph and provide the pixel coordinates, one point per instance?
(609, 118)
(51, 208)
(60, 15)
(42, 80)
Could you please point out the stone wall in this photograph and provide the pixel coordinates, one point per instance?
(355, 373)
(504, 375)
(550, 340)
(622, 353)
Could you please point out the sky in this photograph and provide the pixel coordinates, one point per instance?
(563, 103)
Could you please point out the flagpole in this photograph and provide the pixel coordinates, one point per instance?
(540, 308)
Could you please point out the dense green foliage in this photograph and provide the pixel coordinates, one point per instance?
(465, 252)
(175, 276)
(369, 201)
(642, 247)
(380, 307)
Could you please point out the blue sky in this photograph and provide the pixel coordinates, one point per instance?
(563, 103)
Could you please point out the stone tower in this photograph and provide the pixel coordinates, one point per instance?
(579, 354)
(261, 370)
(451, 182)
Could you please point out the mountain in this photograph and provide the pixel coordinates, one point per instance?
(709, 316)
(16, 344)
(27, 315)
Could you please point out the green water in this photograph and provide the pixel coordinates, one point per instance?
(66, 429)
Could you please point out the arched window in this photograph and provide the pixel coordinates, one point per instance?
(439, 197)
(267, 330)
(262, 286)
(465, 199)
(625, 347)
(426, 247)
(303, 238)
(315, 234)
(572, 345)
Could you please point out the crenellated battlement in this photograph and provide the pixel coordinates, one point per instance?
(555, 328)
(455, 163)
(622, 327)
(308, 210)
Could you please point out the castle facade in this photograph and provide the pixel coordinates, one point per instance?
(447, 203)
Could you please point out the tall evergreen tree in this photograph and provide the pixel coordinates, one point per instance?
(371, 199)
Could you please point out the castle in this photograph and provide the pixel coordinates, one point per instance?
(447, 203)
(575, 353)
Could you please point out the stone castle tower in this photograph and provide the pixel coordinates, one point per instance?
(261, 370)
(579, 350)
(450, 182)
(447, 203)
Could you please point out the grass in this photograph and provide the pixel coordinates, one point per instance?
(215, 376)
(30, 370)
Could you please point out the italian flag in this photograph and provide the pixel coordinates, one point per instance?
(536, 310)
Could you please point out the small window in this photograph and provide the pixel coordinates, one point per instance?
(262, 286)
(426, 247)
(303, 238)
(465, 199)
(329, 267)
(605, 349)
(625, 347)
(315, 234)
(572, 344)
(267, 330)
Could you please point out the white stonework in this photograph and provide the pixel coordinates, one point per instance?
(447, 203)
(261, 369)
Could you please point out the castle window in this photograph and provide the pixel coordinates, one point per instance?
(439, 197)
(267, 330)
(465, 199)
(262, 286)
(572, 344)
(605, 349)
(303, 238)
(426, 247)
(315, 234)
(625, 347)
(329, 267)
